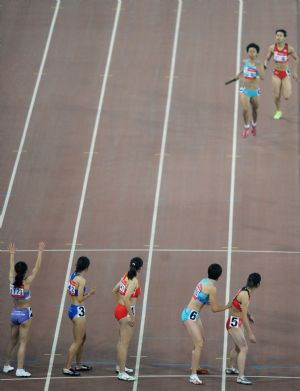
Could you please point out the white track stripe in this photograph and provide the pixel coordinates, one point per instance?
(83, 193)
(157, 250)
(157, 193)
(156, 376)
(28, 118)
(232, 187)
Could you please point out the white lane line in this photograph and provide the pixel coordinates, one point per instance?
(13, 379)
(83, 193)
(232, 187)
(157, 193)
(175, 250)
(29, 113)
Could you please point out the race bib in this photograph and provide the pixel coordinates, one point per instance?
(234, 321)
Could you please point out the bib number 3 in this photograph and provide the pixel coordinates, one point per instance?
(81, 311)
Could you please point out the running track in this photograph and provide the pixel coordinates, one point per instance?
(119, 138)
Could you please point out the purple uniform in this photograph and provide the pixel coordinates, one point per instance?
(19, 315)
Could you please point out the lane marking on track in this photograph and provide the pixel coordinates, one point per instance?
(142, 377)
(179, 250)
(157, 192)
(29, 113)
(83, 193)
(232, 189)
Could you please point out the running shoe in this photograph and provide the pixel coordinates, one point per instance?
(7, 368)
(125, 376)
(231, 371)
(83, 367)
(243, 380)
(194, 379)
(246, 132)
(253, 130)
(278, 114)
(20, 372)
(127, 370)
(70, 372)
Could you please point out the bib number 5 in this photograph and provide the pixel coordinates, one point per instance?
(234, 321)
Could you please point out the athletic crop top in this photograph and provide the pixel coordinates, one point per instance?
(198, 292)
(18, 293)
(73, 291)
(250, 71)
(281, 56)
(123, 288)
(235, 303)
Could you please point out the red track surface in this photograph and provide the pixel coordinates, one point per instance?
(118, 207)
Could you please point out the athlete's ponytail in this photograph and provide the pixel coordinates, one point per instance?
(254, 280)
(135, 265)
(20, 269)
(82, 264)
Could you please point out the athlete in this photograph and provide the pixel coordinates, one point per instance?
(252, 70)
(78, 293)
(127, 290)
(204, 293)
(21, 315)
(281, 78)
(238, 320)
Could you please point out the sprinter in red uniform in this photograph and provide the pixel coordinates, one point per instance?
(281, 78)
(238, 319)
(127, 290)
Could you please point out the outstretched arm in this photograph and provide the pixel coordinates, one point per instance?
(215, 307)
(38, 263)
(12, 251)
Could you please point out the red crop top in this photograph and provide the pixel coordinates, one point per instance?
(123, 288)
(236, 303)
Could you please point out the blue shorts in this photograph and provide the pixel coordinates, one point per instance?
(20, 315)
(76, 310)
(188, 314)
(250, 93)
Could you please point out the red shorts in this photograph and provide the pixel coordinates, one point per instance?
(120, 311)
(282, 74)
(233, 322)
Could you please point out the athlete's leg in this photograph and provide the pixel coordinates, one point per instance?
(125, 335)
(276, 83)
(254, 104)
(245, 105)
(240, 342)
(79, 352)
(286, 88)
(233, 357)
(196, 331)
(14, 339)
(79, 326)
(24, 329)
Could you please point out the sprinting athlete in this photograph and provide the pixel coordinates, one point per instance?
(252, 70)
(21, 315)
(204, 293)
(78, 293)
(238, 320)
(127, 290)
(281, 78)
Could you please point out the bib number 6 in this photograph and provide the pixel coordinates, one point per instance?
(193, 315)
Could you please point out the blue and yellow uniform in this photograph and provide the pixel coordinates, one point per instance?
(250, 72)
(75, 309)
(199, 295)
